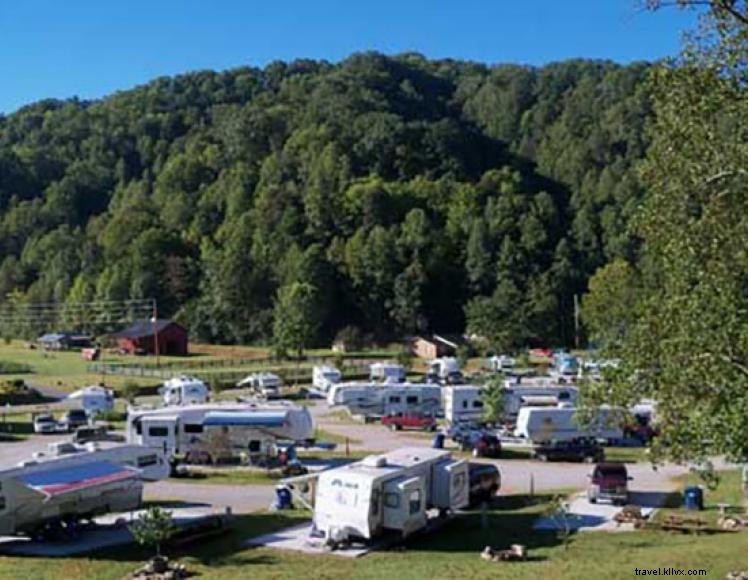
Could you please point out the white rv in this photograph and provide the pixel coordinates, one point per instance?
(462, 404)
(267, 385)
(498, 363)
(323, 377)
(517, 396)
(543, 424)
(92, 400)
(210, 432)
(378, 399)
(390, 492)
(184, 390)
(445, 370)
(387, 372)
(72, 483)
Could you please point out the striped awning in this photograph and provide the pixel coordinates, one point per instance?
(77, 477)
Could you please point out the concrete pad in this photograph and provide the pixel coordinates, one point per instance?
(298, 539)
(111, 530)
(588, 517)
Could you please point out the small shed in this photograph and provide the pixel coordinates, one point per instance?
(146, 336)
(436, 346)
(65, 340)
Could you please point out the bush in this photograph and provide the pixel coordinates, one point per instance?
(129, 391)
(13, 368)
(351, 337)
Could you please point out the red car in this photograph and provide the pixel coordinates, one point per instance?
(609, 482)
(399, 422)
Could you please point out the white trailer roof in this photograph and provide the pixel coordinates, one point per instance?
(387, 463)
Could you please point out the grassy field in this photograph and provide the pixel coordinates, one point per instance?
(728, 491)
(452, 552)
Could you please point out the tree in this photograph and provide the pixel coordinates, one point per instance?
(688, 347)
(493, 400)
(609, 307)
(295, 321)
(153, 527)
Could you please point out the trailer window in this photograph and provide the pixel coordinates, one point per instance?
(411, 400)
(146, 460)
(394, 399)
(2, 503)
(392, 499)
(464, 404)
(193, 428)
(158, 431)
(564, 396)
(477, 404)
(254, 446)
(415, 501)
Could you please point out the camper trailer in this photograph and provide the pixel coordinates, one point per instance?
(379, 399)
(92, 400)
(387, 373)
(543, 424)
(565, 365)
(215, 432)
(517, 396)
(323, 377)
(184, 390)
(462, 404)
(445, 371)
(72, 483)
(390, 492)
(267, 385)
(500, 363)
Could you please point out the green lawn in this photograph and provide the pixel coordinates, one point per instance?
(449, 553)
(230, 477)
(728, 491)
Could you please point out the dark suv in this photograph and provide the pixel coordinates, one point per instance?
(582, 449)
(73, 419)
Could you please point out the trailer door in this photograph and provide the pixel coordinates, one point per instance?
(161, 432)
(405, 504)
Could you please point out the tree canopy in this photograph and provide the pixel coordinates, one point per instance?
(412, 194)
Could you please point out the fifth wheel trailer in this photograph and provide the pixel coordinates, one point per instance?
(543, 424)
(390, 492)
(75, 483)
(198, 433)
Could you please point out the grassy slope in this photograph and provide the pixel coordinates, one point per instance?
(449, 553)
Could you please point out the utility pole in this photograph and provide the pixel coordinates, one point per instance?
(576, 321)
(154, 321)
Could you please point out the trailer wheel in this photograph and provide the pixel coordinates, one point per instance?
(393, 427)
(543, 457)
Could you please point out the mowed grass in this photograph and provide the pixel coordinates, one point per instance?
(728, 491)
(452, 552)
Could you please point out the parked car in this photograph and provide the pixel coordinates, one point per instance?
(73, 419)
(45, 423)
(409, 421)
(487, 446)
(609, 482)
(485, 481)
(583, 449)
(95, 433)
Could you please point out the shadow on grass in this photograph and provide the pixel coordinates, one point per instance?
(16, 427)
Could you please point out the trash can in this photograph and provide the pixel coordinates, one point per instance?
(693, 498)
(283, 498)
(438, 441)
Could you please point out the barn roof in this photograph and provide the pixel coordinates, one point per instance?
(144, 328)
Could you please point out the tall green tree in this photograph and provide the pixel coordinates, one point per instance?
(295, 321)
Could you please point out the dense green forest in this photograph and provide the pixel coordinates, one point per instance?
(404, 194)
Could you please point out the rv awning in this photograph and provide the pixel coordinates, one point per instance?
(257, 419)
(77, 477)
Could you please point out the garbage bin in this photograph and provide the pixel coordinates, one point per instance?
(438, 441)
(283, 498)
(693, 498)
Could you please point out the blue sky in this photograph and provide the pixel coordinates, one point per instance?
(62, 48)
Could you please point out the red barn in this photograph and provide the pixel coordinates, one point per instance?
(140, 338)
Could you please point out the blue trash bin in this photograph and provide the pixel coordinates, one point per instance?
(438, 442)
(283, 498)
(693, 498)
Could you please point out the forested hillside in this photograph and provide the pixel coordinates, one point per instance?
(406, 194)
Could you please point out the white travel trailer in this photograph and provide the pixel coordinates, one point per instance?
(390, 492)
(323, 377)
(387, 372)
(462, 404)
(72, 483)
(184, 390)
(210, 432)
(517, 396)
(267, 385)
(378, 399)
(445, 370)
(92, 400)
(498, 363)
(543, 424)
